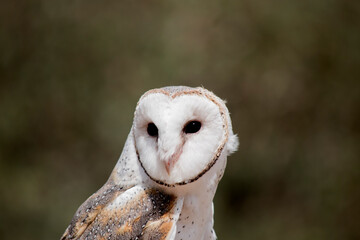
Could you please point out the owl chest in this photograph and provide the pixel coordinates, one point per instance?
(195, 221)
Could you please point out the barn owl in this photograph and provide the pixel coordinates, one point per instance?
(164, 182)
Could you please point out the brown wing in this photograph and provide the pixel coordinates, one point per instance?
(88, 211)
(137, 213)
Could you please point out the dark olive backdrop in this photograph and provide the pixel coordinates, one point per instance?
(71, 73)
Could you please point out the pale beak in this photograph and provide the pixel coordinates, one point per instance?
(168, 167)
(169, 164)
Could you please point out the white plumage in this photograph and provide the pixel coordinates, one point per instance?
(163, 185)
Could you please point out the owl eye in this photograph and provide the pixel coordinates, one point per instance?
(192, 127)
(152, 130)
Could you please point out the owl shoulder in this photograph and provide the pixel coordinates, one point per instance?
(117, 213)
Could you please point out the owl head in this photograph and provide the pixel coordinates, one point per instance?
(181, 133)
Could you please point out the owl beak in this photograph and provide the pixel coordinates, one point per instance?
(169, 164)
(168, 167)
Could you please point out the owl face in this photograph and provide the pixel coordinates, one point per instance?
(179, 137)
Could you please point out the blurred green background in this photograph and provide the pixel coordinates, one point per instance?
(71, 73)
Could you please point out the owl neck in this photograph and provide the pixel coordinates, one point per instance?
(196, 217)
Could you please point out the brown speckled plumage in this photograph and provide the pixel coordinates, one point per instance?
(149, 214)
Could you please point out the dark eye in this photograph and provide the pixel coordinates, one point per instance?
(152, 130)
(192, 127)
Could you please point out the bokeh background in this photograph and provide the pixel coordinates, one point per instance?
(71, 73)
